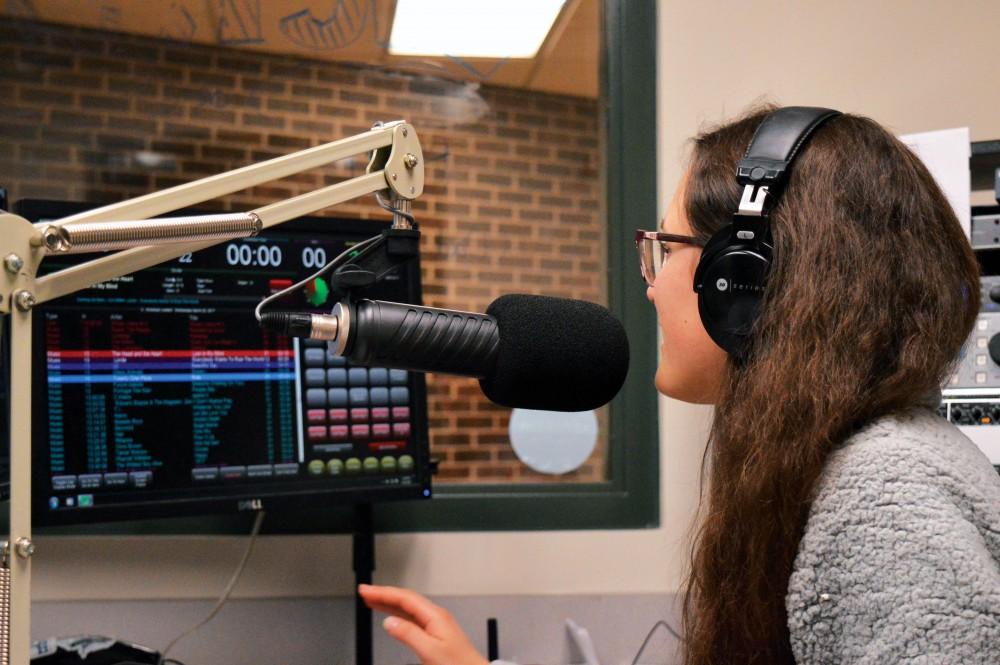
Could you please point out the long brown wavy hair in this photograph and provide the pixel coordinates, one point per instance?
(873, 290)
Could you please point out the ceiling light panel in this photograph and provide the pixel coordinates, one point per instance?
(472, 28)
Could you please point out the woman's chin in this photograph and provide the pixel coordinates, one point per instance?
(693, 391)
(664, 384)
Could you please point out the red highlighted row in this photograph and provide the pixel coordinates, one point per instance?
(191, 353)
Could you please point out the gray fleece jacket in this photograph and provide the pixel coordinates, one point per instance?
(900, 560)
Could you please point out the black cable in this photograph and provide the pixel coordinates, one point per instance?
(394, 210)
(649, 636)
(337, 262)
(254, 532)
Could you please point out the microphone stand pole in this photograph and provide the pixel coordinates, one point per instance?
(364, 565)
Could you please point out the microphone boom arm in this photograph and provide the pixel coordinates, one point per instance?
(396, 165)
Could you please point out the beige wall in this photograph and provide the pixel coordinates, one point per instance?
(911, 65)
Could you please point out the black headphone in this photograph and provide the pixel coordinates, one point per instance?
(734, 265)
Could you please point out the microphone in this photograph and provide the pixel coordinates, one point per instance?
(530, 352)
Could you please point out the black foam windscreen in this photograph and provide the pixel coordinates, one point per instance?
(556, 354)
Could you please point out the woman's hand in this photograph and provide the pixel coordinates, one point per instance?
(429, 630)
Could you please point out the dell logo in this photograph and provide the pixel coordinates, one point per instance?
(250, 504)
(721, 284)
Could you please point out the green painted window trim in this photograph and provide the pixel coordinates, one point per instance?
(630, 499)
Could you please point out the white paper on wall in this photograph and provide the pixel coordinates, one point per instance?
(946, 154)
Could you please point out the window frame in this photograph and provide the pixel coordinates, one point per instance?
(630, 498)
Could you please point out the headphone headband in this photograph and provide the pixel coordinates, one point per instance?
(771, 151)
(777, 141)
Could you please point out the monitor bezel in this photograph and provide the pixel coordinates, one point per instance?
(238, 500)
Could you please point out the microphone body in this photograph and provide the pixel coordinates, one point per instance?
(422, 339)
(533, 352)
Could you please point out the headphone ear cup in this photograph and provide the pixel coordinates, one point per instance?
(718, 242)
(730, 281)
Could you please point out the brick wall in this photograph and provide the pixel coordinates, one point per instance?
(513, 201)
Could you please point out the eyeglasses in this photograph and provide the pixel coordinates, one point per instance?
(653, 250)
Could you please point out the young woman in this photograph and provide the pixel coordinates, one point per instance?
(844, 521)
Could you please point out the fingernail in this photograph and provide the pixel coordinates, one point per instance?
(390, 623)
(363, 587)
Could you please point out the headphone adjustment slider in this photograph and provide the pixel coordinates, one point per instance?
(754, 200)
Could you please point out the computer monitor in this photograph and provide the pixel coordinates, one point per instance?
(157, 394)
